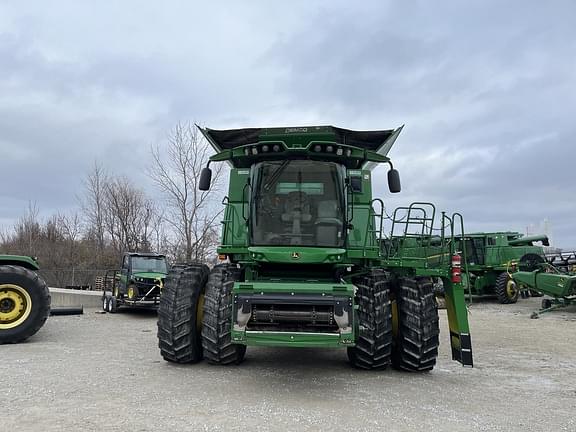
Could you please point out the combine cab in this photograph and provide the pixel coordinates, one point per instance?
(307, 261)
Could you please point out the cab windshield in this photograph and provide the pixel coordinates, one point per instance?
(297, 202)
(148, 265)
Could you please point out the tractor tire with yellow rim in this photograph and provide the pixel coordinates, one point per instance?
(506, 289)
(24, 303)
(180, 314)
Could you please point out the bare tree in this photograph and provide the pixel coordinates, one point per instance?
(176, 171)
(127, 215)
(28, 230)
(70, 226)
(93, 206)
(157, 237)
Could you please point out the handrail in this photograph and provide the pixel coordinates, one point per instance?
(410, 218)
(372, 215)
(459, 216)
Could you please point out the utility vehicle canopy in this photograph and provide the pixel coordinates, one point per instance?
(146, 254)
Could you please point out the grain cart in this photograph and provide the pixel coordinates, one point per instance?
(24, 298)
(307, 262)
(137, 284)
(488, 257)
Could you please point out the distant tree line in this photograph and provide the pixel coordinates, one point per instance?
(115, 216)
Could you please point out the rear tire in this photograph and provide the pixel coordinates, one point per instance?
(530, 262)
(373, 348)
(24, 303)
(217, 321)
(415, 347)
(112, 305)
(506, 289)
(179, 337)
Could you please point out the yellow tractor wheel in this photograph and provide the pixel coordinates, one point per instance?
(506, 289)
(132, 292)
(24, 303)
(15, 306)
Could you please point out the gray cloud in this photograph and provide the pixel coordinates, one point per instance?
(486, 89)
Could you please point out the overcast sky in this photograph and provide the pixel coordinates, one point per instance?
(486, 89)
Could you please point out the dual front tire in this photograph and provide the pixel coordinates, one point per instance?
(194, 316)
(397, 323)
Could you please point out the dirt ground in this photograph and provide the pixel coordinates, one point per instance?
(104, 373)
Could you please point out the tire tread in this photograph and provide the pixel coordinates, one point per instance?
(178, 338)
(416, 344)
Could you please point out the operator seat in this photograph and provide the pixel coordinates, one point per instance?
(296, 211)
(328, 225)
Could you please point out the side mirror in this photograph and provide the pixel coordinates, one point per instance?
(205, 179)
(394, 181)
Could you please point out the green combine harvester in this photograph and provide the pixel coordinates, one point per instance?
(308, 261)
(488, 257)
(24, 298)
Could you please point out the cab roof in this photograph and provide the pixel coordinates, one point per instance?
(232, 138)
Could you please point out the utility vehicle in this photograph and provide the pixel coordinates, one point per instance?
(137, 284)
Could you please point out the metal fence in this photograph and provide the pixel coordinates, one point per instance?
(72, 278)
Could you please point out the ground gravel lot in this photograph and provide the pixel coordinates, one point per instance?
(104, 373)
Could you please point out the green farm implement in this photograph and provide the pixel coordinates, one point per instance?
(550, 281)
(137, 284)
(309, 259)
